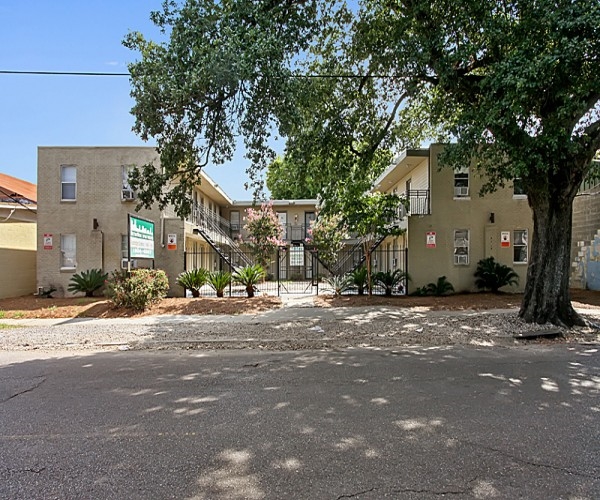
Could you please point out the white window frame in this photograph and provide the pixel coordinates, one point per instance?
(518, 196)
(520, 243)
(127, 193)
(462, 176)
(460, 242)
(64, 182)
(68, 251)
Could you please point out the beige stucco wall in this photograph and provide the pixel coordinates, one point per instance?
(17, 259)
(99, 185)
(473, 213)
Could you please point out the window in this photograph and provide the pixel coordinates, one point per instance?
(520, 246)
(518, 189)
(461, 246)
(127, 193)
(461, 182)
(68, 249)
(68, 181)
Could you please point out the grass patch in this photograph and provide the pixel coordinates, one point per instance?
(2, 314)
(18, 314)
(4, 326)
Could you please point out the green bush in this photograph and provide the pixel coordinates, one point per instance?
(87, 282)
(359, 279)
(492, 275)
(249, 276)
(193, 280)
(441, 287)
(219, 280)
(340, 283)
(138, 290)
(390, 280)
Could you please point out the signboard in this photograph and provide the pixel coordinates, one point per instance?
(47, 241)
(430, 241)
(505, 239)
(172, 242)
(141, 238)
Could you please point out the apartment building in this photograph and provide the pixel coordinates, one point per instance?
(85, 205)
(449, 227)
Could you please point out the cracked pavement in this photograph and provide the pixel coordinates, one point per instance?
(414, 423)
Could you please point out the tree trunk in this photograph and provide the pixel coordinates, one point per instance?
(250, 291)
(546, 297)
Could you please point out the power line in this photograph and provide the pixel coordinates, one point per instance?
(102, 73)
(62, 73)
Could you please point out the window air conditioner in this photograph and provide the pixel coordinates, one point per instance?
(461, 259)
(461, 191)
(128, 195)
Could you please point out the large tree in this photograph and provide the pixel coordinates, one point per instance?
(515, 84)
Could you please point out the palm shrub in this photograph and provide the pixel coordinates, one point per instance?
(87, 282)
(492, 275)
(441, 287)
(390, 280)
(193, 280)
(249, 276)
(339, 283)
(137, 289)
(219, 280)
(359, 279)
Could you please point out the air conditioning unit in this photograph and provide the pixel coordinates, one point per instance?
(124, 263)
(128, 195)
(461, 191)
(461, 259)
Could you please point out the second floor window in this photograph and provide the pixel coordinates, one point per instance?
(68, 182)
(126, 192)
(518, 189)
(461, 182)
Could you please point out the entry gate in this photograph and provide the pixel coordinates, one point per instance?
(297, 270)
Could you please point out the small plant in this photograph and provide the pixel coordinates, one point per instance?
(390, 280)
(2, 314)
(19, 314)
(340, 283)
(359, 279)
(441, 287)
(420, 292)
(249, 276)
(492, 275)
(137, 290)
(219, 280)
(87, 282)
(193, 280)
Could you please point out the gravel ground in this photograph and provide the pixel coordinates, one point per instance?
(293, 328)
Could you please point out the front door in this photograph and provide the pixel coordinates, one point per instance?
(282, 216)
(308, 218)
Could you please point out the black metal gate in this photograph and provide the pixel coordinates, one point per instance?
(297, 270)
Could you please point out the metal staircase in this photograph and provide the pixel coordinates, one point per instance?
(354, 258)
(209, 227)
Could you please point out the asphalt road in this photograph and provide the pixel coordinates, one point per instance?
(415, 423)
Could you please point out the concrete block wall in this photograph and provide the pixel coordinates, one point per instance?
(586, 226)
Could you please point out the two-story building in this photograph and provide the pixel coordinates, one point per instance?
(449, 227)
(84, 206)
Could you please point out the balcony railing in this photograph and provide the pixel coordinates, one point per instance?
(419, 202)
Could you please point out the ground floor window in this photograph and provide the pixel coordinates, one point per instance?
(461, 246)
(520, 239)
(68, 247)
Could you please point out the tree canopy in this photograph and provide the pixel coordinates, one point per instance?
(514, 84)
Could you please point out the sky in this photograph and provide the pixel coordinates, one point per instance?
(73, 36)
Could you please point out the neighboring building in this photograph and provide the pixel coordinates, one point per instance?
(18, 215)
(449, 227)
(585, 243)
(84, 204)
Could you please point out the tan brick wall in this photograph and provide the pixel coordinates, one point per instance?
(99, 184)
(17, 259)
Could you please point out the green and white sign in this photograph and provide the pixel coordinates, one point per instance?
(141, 238)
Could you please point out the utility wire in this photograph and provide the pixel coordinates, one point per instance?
(18, 200)
(101, 73)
